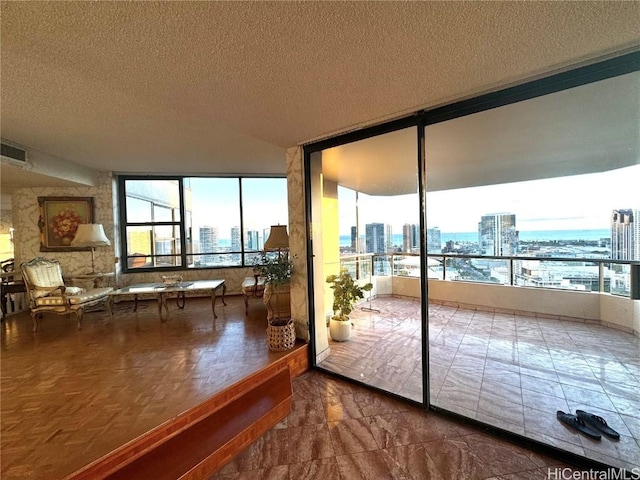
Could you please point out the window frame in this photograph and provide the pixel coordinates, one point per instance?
(181, 224)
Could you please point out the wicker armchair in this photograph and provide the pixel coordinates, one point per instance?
(47, 292)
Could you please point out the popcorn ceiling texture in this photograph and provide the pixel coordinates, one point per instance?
(228, 86)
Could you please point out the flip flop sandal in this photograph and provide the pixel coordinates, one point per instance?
(597, 422)
(577, 423)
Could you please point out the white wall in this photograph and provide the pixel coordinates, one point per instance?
(620, 311)
(569, 305)
(406, 286)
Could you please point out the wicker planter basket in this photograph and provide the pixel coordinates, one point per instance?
(281, 337)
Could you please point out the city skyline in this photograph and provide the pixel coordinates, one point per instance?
(578, 202)
(498, 235)
(263, 202)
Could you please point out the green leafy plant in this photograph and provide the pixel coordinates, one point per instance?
(276, 269)
(345, 293)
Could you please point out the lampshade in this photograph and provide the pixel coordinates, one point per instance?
(278, 238)
(90, 235)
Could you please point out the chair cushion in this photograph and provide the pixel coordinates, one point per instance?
(83, 297)
(39, 293)
(67, 291)
(45, 275)
(250, 287)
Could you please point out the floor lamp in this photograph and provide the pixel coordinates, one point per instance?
(90, 235)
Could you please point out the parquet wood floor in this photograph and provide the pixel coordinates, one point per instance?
(69, 396)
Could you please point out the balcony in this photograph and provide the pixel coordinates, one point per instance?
(503, 354)
(575, 289)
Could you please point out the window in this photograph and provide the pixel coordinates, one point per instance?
(197, 222)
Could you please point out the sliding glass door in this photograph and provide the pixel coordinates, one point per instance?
(500, 238)
(366, 230)
(530, 202)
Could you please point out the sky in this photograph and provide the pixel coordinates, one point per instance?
(215, 203)
(579, 202)
(564, 203)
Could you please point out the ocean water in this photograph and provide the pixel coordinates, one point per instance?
(527, 236)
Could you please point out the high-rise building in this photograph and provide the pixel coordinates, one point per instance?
(497, 234)
(265, 234)
(625, 234)
(375, 237)
(388, 238)
(354, 239)
(236, 243)
(411, 238)
(434, 240)
(407, 237)
(208, 243)
(253, 240)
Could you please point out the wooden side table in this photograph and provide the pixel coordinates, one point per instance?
(9, 285)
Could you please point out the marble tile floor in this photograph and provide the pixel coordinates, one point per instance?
(512, 372)
(341, 431)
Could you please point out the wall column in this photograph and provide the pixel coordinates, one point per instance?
(298, 241)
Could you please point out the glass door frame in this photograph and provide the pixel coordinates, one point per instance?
(616, 65)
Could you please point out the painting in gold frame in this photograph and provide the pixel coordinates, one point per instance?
(59, 220)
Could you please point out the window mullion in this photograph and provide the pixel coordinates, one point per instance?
(154, 211)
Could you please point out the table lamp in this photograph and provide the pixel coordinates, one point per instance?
(90, 235)
(278, 239)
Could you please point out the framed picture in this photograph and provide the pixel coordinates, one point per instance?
(59, 220)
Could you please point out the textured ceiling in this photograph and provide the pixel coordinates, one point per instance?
(587, 129)
(224, 87)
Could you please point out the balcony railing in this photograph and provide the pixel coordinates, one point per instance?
(618, 277)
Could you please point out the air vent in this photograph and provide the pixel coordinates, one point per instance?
(13, 154)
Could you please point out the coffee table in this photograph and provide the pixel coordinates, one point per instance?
(161, 292)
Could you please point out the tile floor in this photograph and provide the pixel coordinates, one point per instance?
(68, 397)
(513, 372)
(340, 431)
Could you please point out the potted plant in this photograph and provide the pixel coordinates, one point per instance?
(276, 271)
(346, 292)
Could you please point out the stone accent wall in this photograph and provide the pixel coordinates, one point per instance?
(26, 213)
(298, 242)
